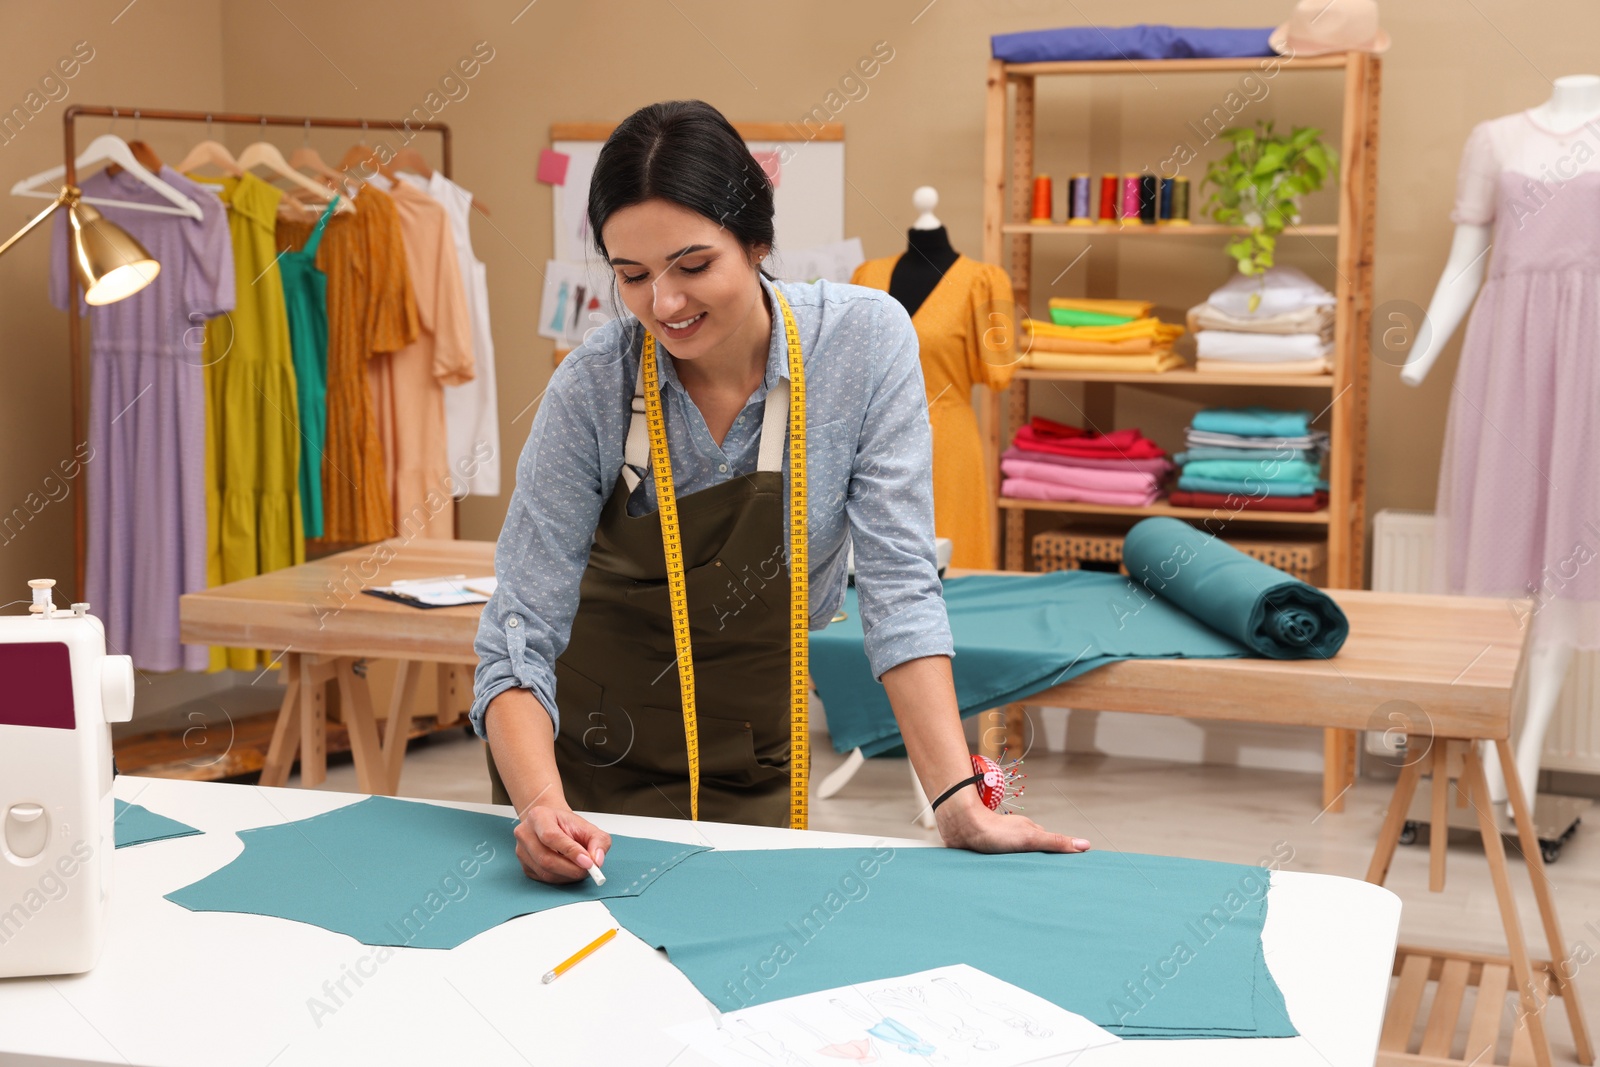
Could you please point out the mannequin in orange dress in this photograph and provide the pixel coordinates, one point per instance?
(964, 317)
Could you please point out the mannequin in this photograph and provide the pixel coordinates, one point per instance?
(928, 254)
(963, 312)
(1574, 104)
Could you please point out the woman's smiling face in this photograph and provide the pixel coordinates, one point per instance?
(687, 279)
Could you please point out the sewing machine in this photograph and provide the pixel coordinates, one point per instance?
(59, 693)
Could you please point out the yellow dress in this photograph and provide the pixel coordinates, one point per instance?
(253, 522)
(966, 330)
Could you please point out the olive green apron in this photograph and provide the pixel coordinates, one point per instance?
(621, 744)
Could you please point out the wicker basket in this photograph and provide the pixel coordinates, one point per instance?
(1071, 547)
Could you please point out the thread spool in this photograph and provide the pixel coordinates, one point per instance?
(1149, 192)
(1043, 194)
(1164, 213)
(1109, 191)
(1078, 201)
(1130, 200)
(43, 602)
(1180, 202)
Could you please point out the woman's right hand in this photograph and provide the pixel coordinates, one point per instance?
(557, 845)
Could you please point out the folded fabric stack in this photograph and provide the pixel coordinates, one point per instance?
(1101, 335)
(1252, 458)
(1278, 323)
(1051, 461)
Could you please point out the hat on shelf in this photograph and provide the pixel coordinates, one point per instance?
(1321, 27)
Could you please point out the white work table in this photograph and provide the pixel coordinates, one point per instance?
(178, 988)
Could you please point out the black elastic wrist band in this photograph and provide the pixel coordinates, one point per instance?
(953, 790)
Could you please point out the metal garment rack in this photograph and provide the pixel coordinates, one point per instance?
(69, 123)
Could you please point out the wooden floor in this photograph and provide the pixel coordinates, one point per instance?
(1206, 812)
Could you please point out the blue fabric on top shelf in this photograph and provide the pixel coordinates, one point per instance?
(1143, 41)
(1253, 422)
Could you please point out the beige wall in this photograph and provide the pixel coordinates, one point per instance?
(921, 122)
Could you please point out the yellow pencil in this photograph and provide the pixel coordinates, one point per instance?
(567, 964)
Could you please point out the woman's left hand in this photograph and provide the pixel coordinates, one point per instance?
(966, 822)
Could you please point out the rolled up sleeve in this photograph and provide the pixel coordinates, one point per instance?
(541, 554)
(890, 506)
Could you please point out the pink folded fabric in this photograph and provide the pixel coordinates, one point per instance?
(1155, 465)
(1080, 477)
(1027, 489)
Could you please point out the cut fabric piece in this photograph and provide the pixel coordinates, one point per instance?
(1014, 635)
(1153, 465)
(1126, 481)
(1184, 498)
(1273, 613)
(1154, 363)
(1260, 347)
(1046, 435)
(135, 824)
(1127, 309)
(752, 927)
(1270, 468)
(396, 872)
(1250, 486)
(1253, 422)
(1035, 489)
(1317, 320)
(1314, 439)
(1254, 455)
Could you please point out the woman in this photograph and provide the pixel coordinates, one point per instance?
(683, 215)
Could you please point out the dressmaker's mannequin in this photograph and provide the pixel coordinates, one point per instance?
(928, 254)
(1575, 102)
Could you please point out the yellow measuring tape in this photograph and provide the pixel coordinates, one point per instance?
(799, 575)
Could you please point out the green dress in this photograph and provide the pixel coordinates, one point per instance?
(305, 289)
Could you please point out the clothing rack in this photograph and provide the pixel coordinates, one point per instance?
(69, 123)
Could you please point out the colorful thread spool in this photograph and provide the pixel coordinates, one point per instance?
(1043, 194)
(1078, 201)
(1180, 202)
(1130, 200)
(1149, 193)
(1164, 214)
(1109, 191)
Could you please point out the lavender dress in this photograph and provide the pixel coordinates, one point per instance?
(146, 470)
(1519, 487)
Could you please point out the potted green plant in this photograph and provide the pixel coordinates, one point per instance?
(1259, 184)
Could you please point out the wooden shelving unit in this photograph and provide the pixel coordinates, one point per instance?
(1006, 209)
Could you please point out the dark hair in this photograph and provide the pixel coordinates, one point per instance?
(685, 152)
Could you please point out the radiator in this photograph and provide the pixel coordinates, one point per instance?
(1402, 562)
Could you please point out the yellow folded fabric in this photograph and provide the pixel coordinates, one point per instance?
(1239, 366)
(1153, 363)
(1137, 308)
(1136, 346)
(1127, 331)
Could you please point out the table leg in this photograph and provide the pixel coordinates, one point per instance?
(991, 732)
(454, 682)
(1439, 824)
(1017, 730)
(1338, 767)
(1531, 1015)
(286, 731)
(313, 721)
(1394, 820)
(1564, 969)
(363, 727)
(399, 723)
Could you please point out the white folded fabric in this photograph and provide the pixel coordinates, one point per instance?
(1265, 347)
(1305, 320)
(1246, 366)
(1281, 290)
(1210, 439)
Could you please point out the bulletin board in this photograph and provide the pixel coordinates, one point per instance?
(806, 161)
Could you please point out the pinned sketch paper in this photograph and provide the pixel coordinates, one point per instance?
(397, 872)
(954, 1015)
(575, 302)
(771, 164)
(553, 166)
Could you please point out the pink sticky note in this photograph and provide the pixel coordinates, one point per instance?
(553, 166)
(769, 163)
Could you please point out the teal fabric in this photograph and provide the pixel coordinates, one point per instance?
(395, 872)
(1272, 613)
(1254, 455)
(1015, 635)
(1266, 468)
(1247, 486)
(305, 294)
(1253, 422)
(134, 824)
(1146, 946)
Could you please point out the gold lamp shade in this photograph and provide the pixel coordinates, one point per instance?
(110, 263)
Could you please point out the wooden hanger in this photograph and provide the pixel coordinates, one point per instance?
(264, 154)
(210, 153)
(410, 159)
(306, 158)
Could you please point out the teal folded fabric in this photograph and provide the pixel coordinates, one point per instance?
(1015, 635)
(1273, 613)
(1146, 946)
(1196, 483)
(135, 824)
(1269, 469)
(1253, 422)
(397, 872)
(1254, 455)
